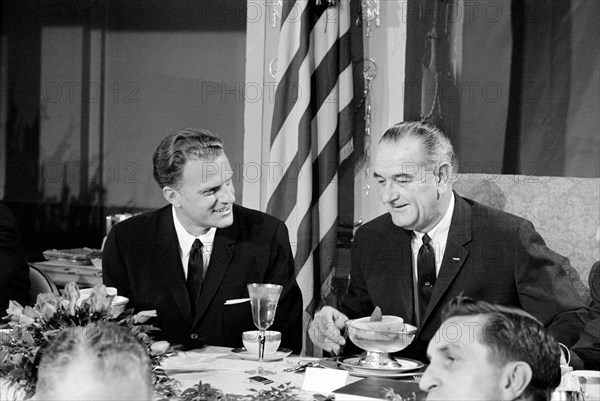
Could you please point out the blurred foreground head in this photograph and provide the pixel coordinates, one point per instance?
(484, 351)
(97, 362)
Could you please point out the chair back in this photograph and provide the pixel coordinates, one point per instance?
(564, 211)
(40, 283)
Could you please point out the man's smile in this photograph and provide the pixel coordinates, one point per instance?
(223, 210)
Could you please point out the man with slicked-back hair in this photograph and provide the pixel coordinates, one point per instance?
(433, 245)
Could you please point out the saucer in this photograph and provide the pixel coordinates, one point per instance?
(406, 365)
(276, 356)
(338, 363)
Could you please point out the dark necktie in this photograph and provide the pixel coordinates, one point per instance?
(426, 274)
(194, 275)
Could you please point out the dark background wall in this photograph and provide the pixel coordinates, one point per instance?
(90, 87)
(525, 98)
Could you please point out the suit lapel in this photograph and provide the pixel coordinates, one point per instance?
(168, 259)
(404, 253)
(455, 253)
(220, 259)
(394, 275)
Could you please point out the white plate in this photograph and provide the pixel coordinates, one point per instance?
(276, 356)
(334, 363)
(379, 373)
(406, 365)
(384, 375)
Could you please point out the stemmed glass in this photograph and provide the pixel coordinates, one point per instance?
(263, 300)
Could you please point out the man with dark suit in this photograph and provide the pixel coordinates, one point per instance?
(192, 260)
(586, 352)
(14, 271)
(434, 245)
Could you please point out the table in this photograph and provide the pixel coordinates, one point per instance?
(223, 370)
(63, 272)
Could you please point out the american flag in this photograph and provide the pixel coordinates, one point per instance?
(311, 135)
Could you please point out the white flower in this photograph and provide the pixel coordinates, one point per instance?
(25, 320)
(14, 309)
(144, 316)
(158, 347)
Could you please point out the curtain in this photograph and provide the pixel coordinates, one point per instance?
(518, 82)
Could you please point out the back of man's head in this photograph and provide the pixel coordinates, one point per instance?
(96, 362)
(514, 335)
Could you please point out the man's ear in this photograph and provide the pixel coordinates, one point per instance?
(442, 178)
(515, 378)
(171, 195)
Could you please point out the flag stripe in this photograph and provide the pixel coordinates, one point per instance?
(290, 82)
(318, 271)
(291, 6)
(287, 187)
(294, 92)
(291, 34)
(322, 176)
(324, 80)
(346, 116)
(301, 206)
(305, 279)
(285, 146)
(331, 66)
(311, 134)
(325, 37)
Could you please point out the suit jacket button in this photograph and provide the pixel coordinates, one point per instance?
(194, 336)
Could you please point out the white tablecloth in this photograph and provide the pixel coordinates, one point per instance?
(224, 370)
(220, 368)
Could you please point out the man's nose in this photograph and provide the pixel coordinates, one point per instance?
(227, 194)
(388, 193)
(428, 380)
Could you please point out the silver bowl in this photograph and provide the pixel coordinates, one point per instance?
(380, 339)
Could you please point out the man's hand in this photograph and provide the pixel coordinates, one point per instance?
(325, 329)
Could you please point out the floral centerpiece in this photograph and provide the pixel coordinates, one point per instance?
(31, 329)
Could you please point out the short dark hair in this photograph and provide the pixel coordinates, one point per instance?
(176, 149)
(112, 351)
(514, 335)
(438, 147)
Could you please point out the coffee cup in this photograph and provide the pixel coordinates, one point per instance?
(272, 341)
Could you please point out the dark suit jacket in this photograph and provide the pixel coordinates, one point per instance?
(490, 255)
(586, 352)
(142, 260)
(14, 271)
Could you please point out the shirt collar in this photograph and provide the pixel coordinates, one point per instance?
(186, 239)
(442, 226)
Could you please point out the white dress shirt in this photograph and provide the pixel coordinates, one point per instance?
(186, 240)
(439, 237)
